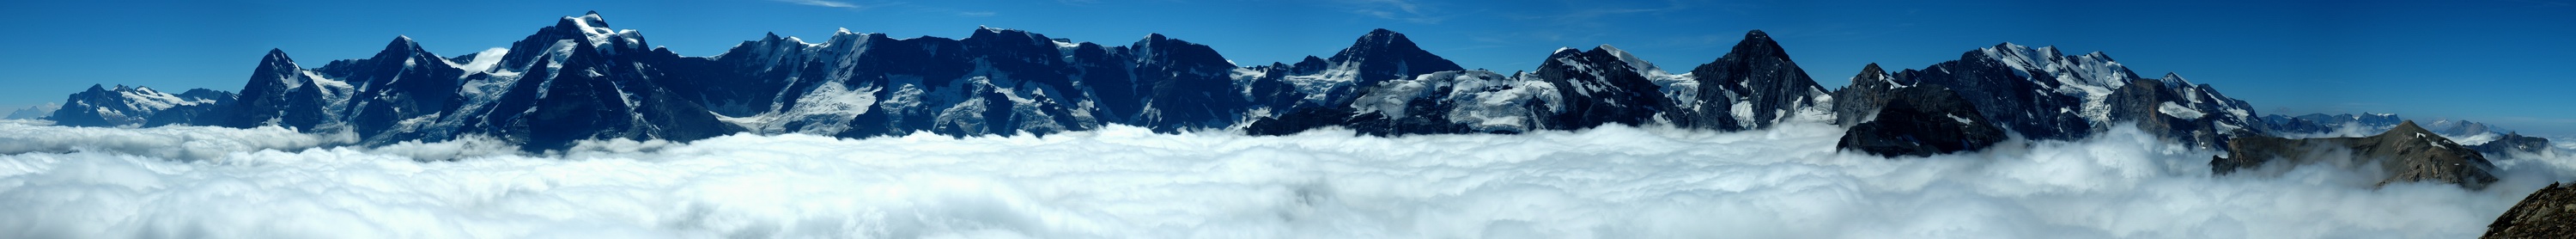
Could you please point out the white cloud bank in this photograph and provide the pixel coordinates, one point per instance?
(1125, 182)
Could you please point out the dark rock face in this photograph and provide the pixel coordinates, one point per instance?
(1386, 55)
(1381, 55)
(591, 98)
(400, 83)
(1754, 87)
(2547, 213)
(1183, 85)
(2513, 143)
(1867, 93)
(139, 107)
(2176, 110)
(1756, 72)
(1599, 88)
(2019, 100)
(281, 93)
(2404, 153)
(1922, 121)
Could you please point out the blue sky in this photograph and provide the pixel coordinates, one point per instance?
(2499, 61)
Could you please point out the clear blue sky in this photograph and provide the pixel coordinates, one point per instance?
(2500, 61)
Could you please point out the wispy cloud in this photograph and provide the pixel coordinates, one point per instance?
(824, 3)
(1403, 10)
(976, 14)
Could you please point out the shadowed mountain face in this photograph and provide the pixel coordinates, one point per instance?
(1754, 86)
(1921, 121)
(2403, 154)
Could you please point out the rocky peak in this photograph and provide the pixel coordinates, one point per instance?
(1758, 73)
(403, 47)
(1868, 92)
(2407, 127)
(2175, 80)
(1758, 45)
(1634, 62)
(1871, 74)
(1384, 55)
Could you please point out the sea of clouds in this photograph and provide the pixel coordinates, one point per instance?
(1126, 182)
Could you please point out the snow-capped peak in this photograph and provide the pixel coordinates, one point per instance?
(1643, 68)
(2175, 80)
(2014, 55)
(992, 29)
(592, 26)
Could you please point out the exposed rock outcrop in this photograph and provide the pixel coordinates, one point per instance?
(2405, 153)
(2548, 213)
(1922, 121)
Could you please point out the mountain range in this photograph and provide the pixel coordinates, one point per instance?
(580, 79)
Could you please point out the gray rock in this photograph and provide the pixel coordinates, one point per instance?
(2404, 153)
(2547, 213)
(1922, 121)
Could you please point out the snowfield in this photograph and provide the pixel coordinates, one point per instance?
(1126, 182)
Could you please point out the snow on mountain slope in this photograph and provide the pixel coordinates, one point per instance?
(125, 106)
(2091, 77)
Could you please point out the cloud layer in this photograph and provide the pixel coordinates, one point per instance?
(1125, 182)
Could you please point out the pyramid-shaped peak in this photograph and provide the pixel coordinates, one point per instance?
(402, 43)
(2174, 79)
(1383, 37)
(2408, 126)
(275, 54)
(1382, 32)
(1758, 44)
(1755, 36)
